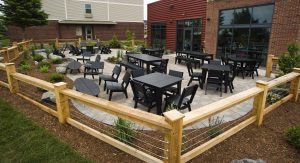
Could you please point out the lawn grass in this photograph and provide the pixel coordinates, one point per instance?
(21, 140)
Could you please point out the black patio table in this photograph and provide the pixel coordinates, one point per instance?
(239, 59)
(144, 58)
(224, 68)
(198, 55)
(87, 86)
(74, 65)
(86, 54)
(159, 82)
(152, 51)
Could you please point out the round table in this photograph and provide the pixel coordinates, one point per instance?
(87, 86)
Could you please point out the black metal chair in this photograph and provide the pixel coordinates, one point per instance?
(184, 100)
(258, 63)
(142, 95)
(118, 87)
(114, 77)
(215, 78)
(174, 90)
(162, 68)
(137, 73)
(250, 68)
(194, 76)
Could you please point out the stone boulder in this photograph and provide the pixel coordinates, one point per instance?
(61, 70)
(52, 56)
(48, 97)
(248, 161)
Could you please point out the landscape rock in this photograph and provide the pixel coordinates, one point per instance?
(36, 62)
(48, 97)
(61, 70)
(52, 56)
(248, 161)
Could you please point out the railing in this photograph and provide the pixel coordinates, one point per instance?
(12, 53)
(271, 64)
(58, 42)
(172, 133)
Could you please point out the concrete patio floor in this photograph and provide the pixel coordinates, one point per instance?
(200, 98)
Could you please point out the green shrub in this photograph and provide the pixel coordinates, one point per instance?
(38, 58)
(129, 35)
(112, 59)
(293, 48)
(114, 42)
(44, 63)
(272, 97)
(290, 60)
(26, 54)
(48, 52)
(292, 136)
(5, 42)
(56, 77)
(56, 61)
(25, 67)
(44, 69)
(214, 124)
(124, 131)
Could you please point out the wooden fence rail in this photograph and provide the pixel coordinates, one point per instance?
(12, 53)
(171, 124)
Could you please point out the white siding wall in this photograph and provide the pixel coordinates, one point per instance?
(55, 9)
(118, 10)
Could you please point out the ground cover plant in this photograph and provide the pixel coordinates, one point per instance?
(292, 136)
(56, 77)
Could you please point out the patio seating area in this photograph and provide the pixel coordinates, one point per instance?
(158, 81)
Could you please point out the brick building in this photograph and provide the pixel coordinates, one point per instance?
(228, 26)
(88, 19)
(177, 24)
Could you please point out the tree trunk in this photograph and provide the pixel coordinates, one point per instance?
(24, 33)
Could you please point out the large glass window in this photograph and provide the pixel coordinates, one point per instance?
(189, 35)
(158, 35)
(245, 30)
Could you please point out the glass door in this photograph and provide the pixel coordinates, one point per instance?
(187, 39)
(88, 33)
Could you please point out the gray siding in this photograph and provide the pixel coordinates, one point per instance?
(55, 9)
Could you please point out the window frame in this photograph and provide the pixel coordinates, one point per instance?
(88, 7)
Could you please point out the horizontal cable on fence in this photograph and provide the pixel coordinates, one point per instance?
(112, 135)
(206, 138)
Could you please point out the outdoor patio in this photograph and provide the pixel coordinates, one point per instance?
(200, 98)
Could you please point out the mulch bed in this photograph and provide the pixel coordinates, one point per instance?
(266, 142)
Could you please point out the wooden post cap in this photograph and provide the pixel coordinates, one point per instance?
(261, 82)
(297, 70)
(173, 115)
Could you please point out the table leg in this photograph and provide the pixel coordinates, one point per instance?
(148, 68)
(204, 72)
(159, 95)
(179, 87)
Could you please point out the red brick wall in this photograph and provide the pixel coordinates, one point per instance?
(285, 25)
(169, 11)
(68, 31)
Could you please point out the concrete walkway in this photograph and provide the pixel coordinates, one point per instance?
(200, 98)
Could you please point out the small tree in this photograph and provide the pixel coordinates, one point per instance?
(23, 14)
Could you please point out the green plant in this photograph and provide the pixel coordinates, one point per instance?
(26, 54)
(290, 60)
(56, 77)
(25, 67)
(48, 51)
(172, 107)
(120, 55)
(293, 48)
(56, 61)
(114, 42)
(44, 63)
(292, 135)
(38, 58)
(124, 131)
(112, 59)
(167, 51)
(272, 97)
(44, 69)
(214, 124)
(129, 35)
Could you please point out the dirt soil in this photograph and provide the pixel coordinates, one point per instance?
(266, 142)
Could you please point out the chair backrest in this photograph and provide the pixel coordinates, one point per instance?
(176, 73)
(138, 89)
(98, 58)
(224, 61)
(189, 91)
(251, 65)
(215, 62)
(164, 64)
(138, 73)
(126, 80)
(190, 68)
(215, 74)
(116, 72)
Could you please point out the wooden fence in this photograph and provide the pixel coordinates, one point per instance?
(171, 124)
(271, 64)
(12, 53)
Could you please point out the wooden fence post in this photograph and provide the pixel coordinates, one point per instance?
(16, 49)
(13, 83)
(5, 55)
(56, 43)
(260, 102)
(269, 65)
(174, 137)
(295, 85)
(62, 102)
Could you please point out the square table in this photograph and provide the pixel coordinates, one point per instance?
(224, 68)
(159, 82)
(152, 51)
(144, 58)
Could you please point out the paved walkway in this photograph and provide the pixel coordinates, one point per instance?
(200, 98)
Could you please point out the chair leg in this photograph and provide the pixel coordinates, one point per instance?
(206, 89)
(126, 95)
(256, 72)
(149, 108)
(221, 90)
(107, 91)
(104, 85)
(189, 107)
(99, 81)
(135, 103)
(110, 94)
(190, 81)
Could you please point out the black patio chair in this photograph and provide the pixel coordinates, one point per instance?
(250, 68)
(258, 64)
(113, 77)
(93, 69)
(74, 50)
(184, 100)
(194, 76)
(97, 59)
(118, 87)
(137, 73)
(231, 79)
(142, 95)
(162, 68)
(174, 90)
(214, 78)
